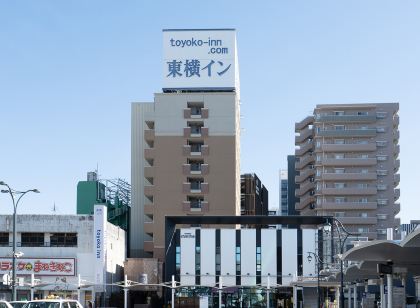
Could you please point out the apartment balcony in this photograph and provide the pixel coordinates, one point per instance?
(149, 153)
(148, 227)
(397, 179)
(200, 188)
(370, 132)
(370, 147)
(349, 176)
(148, 246)
(397, 165)
(148, 208)
(358, 220)
(149, 190)
(304, 188)
(304, 174)
(188, 169)
(304, 134)
(349, 162)
(397, 193)
(396, 134)
(346, 118)
(304, 148)
(348, 206)
(203, 113)
(349, 191)
(397, 208)
(305, 160)
(397, 150)
(396, 120)
(305, 122)
(304, 202)
(189, 206)
(149, 134)
(149, 172)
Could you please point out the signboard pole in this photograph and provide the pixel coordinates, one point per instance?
(79, 284)
(268, 291)
(125, 292)
(390, 289)
(220, 291)
(32, 286)
(173, 291)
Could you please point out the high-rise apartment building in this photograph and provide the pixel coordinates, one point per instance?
(185, 161)
(283, 208)
(347, 166)
(254, 195)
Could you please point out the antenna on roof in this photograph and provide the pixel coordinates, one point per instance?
(54, 209)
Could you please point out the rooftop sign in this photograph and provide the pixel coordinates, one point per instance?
(200, 60)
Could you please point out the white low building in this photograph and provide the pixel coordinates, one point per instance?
(58, 249)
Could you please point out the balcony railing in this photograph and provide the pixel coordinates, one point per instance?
(346, 118)
(353, 147)
(347, 132)
(349, 161)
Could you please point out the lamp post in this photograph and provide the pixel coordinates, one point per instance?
(340, 228)
(12, 194)
(318, 261)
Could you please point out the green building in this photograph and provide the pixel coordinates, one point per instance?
(114, 193)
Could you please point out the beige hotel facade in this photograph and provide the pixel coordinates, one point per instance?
(185, 161)
(347, 162)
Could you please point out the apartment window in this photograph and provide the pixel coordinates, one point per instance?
(381, 115)
(195, 127)
(339, 170)
(318, 144)
(362, 113)
(381, 231)
(364, 215)
(340, 199)
(382, 186)
(364, 171)
(63, 240)
(318, 173)
(381, 143)
(238, 259)
(32, 239)
(382, 216)
(363, 230)
(339, 156)
(339, 141)
(339, 113)
(381, 172)
(364, 156)
(339, 185)
(363, 200)
(382, 201)
(196, 146)
(362, 185)
(195, 165)
(195, 183)
(382, 157)
(339, 214)
(380, 129)
(4, 239)
(339, 127)
(318, 158)
(362, 141)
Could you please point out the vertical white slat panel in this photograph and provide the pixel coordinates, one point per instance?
(308, 245)
(187, 257)
(227, 254)
(268, 256)
(208, 257)
(289, 255)
(248, 257)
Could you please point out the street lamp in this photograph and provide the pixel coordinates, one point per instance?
(318, 261)
(340, 228)
(12, 194)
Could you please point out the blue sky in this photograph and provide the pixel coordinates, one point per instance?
(70, 69)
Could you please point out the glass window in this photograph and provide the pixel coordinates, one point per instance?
(339, 141)
(339, 170)
(4, 239)
(339, 185)
(32, 239)
(339, 113)
(339, 156)
(339, 127)
(63, 240)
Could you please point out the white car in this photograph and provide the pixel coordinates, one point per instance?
(4, 304)
(53, 303)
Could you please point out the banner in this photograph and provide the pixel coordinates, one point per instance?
(40, 266)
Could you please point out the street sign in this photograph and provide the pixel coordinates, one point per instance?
(6, 279)
(384, 269)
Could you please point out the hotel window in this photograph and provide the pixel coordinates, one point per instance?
(339, 156)
(364, 171)
(364, 215)
(339, 113)
(362, 185)
(363, 200)
(339, 185)
(339, 141)
(339, 170)
(362, 113)
(340, 199)
(339, 127)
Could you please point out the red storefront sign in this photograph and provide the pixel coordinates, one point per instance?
(40, 266)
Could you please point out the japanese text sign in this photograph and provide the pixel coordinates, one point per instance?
(200, 59)
(40, 266)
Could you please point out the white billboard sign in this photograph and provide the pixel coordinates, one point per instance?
(200, 59)
(99, 244)
(40, 266)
